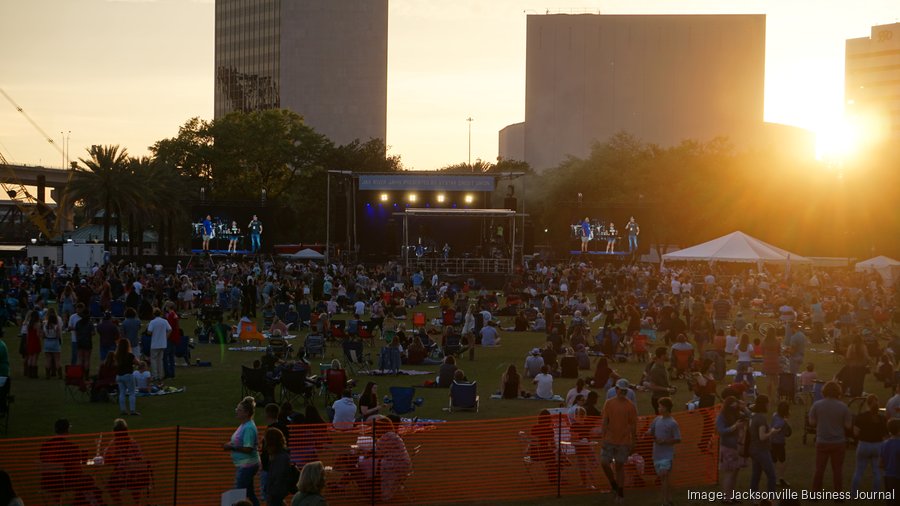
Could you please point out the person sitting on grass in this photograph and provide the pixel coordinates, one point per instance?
(544, 382)
(666, 434)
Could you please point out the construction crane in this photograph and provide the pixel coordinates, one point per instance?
(37, 212)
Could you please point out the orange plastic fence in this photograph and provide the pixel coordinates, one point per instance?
(447, 462)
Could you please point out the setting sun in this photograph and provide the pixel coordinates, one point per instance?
(837, 140)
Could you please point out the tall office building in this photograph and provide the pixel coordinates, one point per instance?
(872, 80)
(323, 59)
(662, 78)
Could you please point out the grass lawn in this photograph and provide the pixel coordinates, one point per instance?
(213, 391)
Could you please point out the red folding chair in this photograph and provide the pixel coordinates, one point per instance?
(335, 382)
(418, 320)
(76, 386)
(449, 316)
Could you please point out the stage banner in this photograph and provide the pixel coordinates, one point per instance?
(424, 183)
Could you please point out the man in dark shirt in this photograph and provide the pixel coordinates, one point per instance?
(721, 310)
(108, 333)
(61, 470)
(658, 379)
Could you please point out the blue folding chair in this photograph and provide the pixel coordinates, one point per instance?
(117, 308)
(402, 400)
(464, 396)
(96, 310)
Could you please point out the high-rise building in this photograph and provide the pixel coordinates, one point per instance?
(872, 80)
(323, 59)
(662, 78)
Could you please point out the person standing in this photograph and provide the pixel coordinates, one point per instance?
(243, 447)
(586, 234)
(72, 324)
(666, 434)
(33, 338)
(797, 345)
(633, 232)
(108, 333)
(159, 330)
(890, 458)
(870, 428)
(832, 419)
(760, 445)
(125, 362)
(207, 232)
(84, 330)
(53, 331)
(172, 341)
(658, 379)
(619, 433)
(256, 230)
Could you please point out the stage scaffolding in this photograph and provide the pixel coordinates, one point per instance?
(460, 265)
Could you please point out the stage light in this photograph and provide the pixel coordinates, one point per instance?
(384, 197)
(441, 197)
(469, 198)
(412, 197)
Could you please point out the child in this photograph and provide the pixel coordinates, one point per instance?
(808, 378)
(780, 421)
(666, 434)
(890, 456)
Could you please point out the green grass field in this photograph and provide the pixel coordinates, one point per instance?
(213, 391)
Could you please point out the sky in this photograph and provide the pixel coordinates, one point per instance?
(130, 72)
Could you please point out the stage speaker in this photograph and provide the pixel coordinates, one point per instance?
(528, 239)
(511, 203)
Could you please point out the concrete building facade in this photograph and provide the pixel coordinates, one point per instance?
(323, 59)
(662, 78)
(872, 80)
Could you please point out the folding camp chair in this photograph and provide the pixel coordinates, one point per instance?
(464, 396)
(356, 360)
(117, 308)
(452, 345)
(76, 386)
(96, 309)
(295, 384)
(335, 384)
(682, 361)
(314, 345)
(338, 329)
(448, 317)
(402, 400)
(183, 349)
(418, 320)
(255, 382)
(281, 310)
(364, 331)
(247, 332)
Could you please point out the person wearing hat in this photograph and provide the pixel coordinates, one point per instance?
(622, 384)
(619, 434)
(533, 363)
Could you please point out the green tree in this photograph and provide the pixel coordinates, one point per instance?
(100, 183)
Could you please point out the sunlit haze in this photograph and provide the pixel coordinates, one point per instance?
(131, 72)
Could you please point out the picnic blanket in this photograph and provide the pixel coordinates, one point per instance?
(407, 372)
(556, 398)
(164, 391)
(247, 348)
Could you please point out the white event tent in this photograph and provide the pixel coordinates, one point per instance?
(304, 254)
(887, 268)
(736, 247)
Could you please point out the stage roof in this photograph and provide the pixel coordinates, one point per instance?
(480, 213)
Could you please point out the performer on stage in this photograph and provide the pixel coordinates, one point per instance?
(446, 251)
(611, 238)
(585, 234)
(234, 233)
(633, 232)
(207, 232)
(256, 230)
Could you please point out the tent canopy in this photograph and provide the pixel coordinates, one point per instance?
(305, 254)
(887, 268)
(736, 247)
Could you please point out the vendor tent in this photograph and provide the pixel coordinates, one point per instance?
(888, 268)
(305, 254)
(736, 247)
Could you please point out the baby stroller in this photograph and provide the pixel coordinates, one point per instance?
(787, 388)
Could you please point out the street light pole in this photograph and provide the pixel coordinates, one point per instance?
(470, 120)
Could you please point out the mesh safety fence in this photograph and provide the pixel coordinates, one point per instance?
(415, 463)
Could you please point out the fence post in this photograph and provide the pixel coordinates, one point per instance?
(374, 464)
(559, 455)
(177, 451)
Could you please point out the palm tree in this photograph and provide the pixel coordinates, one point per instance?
(100, 182)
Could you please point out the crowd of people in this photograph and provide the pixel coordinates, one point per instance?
(685, 323)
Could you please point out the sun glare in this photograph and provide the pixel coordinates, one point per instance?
(836, 140)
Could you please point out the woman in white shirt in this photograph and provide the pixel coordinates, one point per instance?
(544, 382)
(469, 322)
